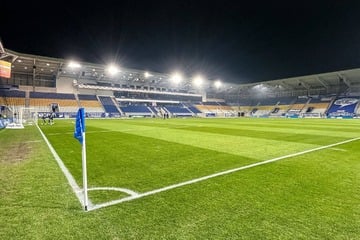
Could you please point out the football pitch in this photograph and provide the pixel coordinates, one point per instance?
(185, 179)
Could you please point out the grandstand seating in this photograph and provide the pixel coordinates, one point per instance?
(257, 107)
(90, 103)
(109, 105)
(317, 105)
(12, 93)
(154, 110)
(136, 110)
(178, 111)
(217, 108)
(268, 107)
(12, 98)
(42, 101)
(47, 95)
(193, 109)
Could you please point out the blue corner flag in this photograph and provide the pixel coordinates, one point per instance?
(80, 125)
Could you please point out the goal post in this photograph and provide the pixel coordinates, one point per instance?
(28, 116)
(22, 117)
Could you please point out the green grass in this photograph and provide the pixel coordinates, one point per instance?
(312, 196)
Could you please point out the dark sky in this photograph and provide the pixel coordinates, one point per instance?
(232, 40)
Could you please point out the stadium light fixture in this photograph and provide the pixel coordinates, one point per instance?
(176, 78)
(112, 69)
(217, 84)
(73, 64)
(198, 81)
(146, 74)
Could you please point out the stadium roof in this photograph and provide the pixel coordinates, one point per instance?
(332, 82)
(56, 67)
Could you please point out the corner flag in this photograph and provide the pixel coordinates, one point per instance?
(79, 134)
(80, 125)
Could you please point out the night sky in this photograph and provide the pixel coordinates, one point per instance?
(234, 41)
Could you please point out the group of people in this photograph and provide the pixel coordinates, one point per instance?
(50, 117)
(165, 115)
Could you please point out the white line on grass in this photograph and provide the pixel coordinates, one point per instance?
(77, 190)
(125, 190)
(141, 195)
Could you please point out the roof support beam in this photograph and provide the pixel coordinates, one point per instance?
(322, 83)
(305, 85)
(345, 80)
(286, 85)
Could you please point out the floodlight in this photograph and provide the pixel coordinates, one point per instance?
(146, 74)
(73, 64)
(217, 84)
(112, 69)
(198, 81)
(176, 78)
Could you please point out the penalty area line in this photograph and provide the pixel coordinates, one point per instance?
(196, 180)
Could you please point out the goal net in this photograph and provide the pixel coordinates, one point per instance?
(28, 116)
(21, 117)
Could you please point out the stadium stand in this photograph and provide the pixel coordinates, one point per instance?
(42, 102)
(299, 105)
(193, 109)
(51, 81)
(178, 111)
(12, 98)
(136, 110)
(316, 106)
(90, 103)
(109, 106)
(212, 108)
(270, 107)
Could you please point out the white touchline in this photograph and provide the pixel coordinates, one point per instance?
(77, 190)
(141, 195)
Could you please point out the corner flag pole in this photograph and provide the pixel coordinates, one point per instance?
(84, 172)
(79, 134)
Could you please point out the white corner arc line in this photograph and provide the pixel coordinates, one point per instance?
(141, 195)
(75, 187)
(125, 190)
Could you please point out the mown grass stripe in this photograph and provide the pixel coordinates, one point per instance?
(196, 180)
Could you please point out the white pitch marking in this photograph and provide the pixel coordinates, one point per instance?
(141, 195)
(125, 190)
(77, 190)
